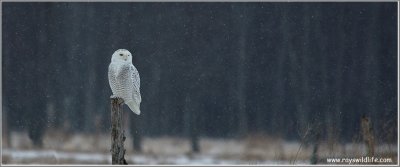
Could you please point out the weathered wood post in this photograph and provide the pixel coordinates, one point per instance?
(117, 132)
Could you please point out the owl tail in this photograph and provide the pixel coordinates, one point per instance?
(133, 106)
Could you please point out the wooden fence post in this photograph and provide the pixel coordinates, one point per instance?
(117, 132)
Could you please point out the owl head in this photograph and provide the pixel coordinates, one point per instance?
(121, 55)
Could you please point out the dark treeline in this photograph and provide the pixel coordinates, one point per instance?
(207, 69)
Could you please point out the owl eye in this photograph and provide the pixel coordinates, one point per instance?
(120, 54)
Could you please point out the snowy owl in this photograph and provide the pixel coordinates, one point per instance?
(124, 79)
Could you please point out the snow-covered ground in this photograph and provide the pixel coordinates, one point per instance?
(60, 157)
(60, 148)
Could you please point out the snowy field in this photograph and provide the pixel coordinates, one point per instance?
(94, 149)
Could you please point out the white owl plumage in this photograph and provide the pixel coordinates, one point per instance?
(124, 79)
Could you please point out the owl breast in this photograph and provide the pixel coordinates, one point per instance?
(120, 80)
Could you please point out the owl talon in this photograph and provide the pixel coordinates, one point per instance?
(120, 100)
(115, 97)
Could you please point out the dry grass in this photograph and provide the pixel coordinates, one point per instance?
(254, 149)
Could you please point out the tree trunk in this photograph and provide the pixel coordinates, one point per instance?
(190, 120)
(194, 133)
(368, 136)
(5, 130)
(136, 133)
(242, 13)
(117, 132)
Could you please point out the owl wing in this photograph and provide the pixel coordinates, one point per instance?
(112, 78)
(136, 84)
